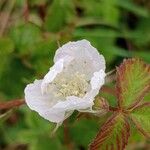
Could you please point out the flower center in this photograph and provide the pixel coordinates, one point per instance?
(76, 85)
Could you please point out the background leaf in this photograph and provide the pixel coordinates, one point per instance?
(25, 37)
(79, 129)
(6, 49)
(130, 6)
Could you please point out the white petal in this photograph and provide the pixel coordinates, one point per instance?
(50, 76)
(34, 98)
(54, 71)
(53, 115)
(42, 103)
(98, 79)
(73, 103)
(56, 114)
(81, 49)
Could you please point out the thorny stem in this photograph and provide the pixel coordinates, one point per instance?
(66, 135)
(11, 104)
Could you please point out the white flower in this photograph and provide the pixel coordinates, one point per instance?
(71, 83)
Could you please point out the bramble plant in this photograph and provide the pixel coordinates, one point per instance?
(74, 83)
(74, 74)
(132, 84)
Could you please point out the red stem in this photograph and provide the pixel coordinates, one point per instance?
(113, 108)
(11, 104)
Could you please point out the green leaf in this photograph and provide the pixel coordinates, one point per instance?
(25, 37)
(6, 48)
(48, 143)
(98, 33)
(140, 116)
(82, 127)
(41, 141)
(132, 7)
(13, 77)
(55, 20)
(43, 52)
(133, 82)
(147, 98)
(37, 2)
(142, 30)
(36, 122)
(113, 134)
(141, 54)
(59, 14)
(111, 12)
(135, 136)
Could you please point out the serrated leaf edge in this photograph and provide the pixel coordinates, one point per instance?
(106, 128)
(140, 98)
(135, 121)
(118, 74)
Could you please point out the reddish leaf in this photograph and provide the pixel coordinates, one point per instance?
(133, 82)
(113, 135)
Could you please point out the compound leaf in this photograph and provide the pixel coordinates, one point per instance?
(113, 134)
(133, 82)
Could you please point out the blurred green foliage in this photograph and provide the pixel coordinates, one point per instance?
(117, 28)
